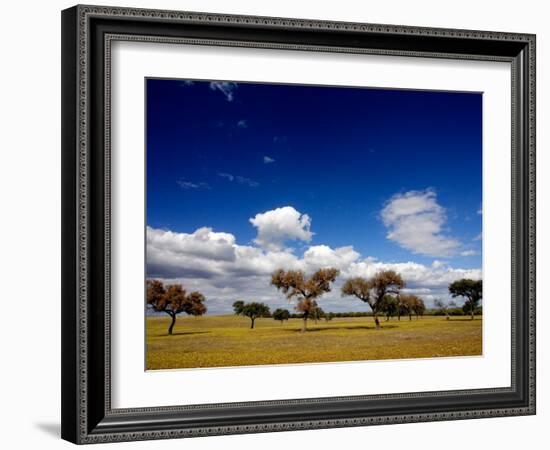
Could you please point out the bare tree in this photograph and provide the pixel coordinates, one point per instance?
(373, 290)
(295, 285)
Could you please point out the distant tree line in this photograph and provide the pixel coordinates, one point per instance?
(458, 311)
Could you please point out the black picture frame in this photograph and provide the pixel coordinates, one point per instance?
(87, 32)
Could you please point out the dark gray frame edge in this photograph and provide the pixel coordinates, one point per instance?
(87, 416)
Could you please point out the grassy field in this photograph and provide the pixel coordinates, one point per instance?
(220, 341)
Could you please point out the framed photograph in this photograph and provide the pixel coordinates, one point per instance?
(278, 224)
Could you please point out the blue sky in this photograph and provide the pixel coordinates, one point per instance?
(394, 174)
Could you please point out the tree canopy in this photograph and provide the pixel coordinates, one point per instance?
(411, 304)
(251, 310)
(296, 286)
(173, 299)
(472, 290)
(281, 314)
(389, 306)
(373, 290)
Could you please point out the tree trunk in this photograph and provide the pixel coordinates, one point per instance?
(252, 319)
(410, 317)
(172, 324)
(304, 324)
(472, 311)
(376, 321)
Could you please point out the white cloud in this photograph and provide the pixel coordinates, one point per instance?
(280, 225)
(416, 275)
(320, 256)
(215, 264)
(227, 88)
(239, 179)
(415, 221)
(192, 185)
(242, 124)
(203, 242)
(224, 271)
(227, 176)
(478, 237)
(246, 181)
(268, 159)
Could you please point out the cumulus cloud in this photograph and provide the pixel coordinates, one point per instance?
(415, 221)
(224, 271)
(169, 252)
(280, 225)
(416, 275)
(227, 88)
(319, 256)
(268, 160)
(242, 124)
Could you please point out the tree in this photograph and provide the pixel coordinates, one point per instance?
(389, 306)
(402, 306)
(471, 289)
(238, 307)
(281, 314)
(251, 310)
(197, 307)
(173, 299)
(411, 304)
(318, 314)
(374, 290)
(306, 291)
(478, 310)
(417, 306)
